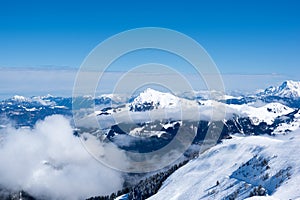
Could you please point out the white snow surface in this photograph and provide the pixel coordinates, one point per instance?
(291, 126)
(288, 89)
(39, 99)
(227, 163)
(163, 100)
(19, 98)
(266, 113)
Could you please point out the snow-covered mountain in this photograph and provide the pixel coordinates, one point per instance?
(288, 93)
(291, 122)
(267, 113)
(26, 111)
(288, 89)
(151, 99)
(159, 102)
(238, 169)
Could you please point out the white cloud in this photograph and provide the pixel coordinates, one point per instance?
(49, 161)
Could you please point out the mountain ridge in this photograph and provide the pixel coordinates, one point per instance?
(288, 89)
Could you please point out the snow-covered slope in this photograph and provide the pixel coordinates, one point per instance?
(288, 89)
(19, 98)
(266, 113)
(150, 99)
(239, 168)
(290, 124)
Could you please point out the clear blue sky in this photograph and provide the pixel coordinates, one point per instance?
(247, 37)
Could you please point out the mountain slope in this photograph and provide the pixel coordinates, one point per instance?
(288, 89)
(266, 113)
(240, 168)
(150, 99)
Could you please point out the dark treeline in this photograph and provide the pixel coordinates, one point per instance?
(145, 188)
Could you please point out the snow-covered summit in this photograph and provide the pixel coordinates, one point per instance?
(19, 98)
(150, 99)
(288, 89)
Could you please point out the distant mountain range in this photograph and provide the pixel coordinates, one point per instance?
(273, 111)
(288, 89)
(281, 100)
(288, 93)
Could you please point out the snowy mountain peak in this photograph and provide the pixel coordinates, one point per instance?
(19, 98)
(150, 99)
(288, 89)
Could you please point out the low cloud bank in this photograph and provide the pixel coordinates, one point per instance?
(49, 161)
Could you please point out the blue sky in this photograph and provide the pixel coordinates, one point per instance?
(242, 37)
